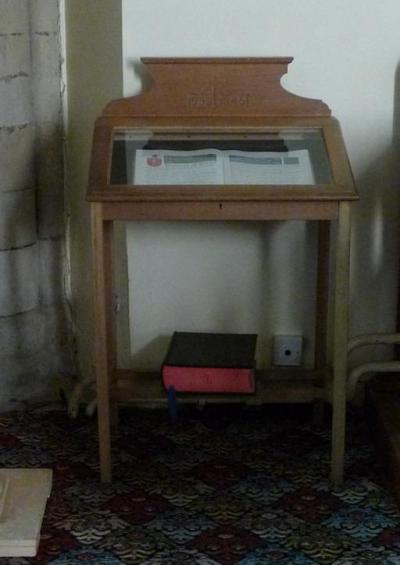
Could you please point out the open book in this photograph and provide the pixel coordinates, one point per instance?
(213, 166)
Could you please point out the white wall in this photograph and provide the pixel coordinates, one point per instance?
(346, 53)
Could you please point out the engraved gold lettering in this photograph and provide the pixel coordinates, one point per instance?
(215, 99)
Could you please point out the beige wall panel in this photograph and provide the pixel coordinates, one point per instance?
(44, 16)
(94, 68)
(15, 55)
(26, 385)
(14, 16)
(46, 77)
(16, 103)
(19, 290)
(22, 335)
(17, 219)
(17, 152)
(51, 252)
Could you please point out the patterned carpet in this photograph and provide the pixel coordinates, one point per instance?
(226, 485)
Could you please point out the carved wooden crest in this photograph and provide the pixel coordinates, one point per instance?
(217, 87)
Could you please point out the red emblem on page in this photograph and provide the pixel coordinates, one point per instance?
(154, 161)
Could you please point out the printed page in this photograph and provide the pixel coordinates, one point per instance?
(268, 167)
(202, 166)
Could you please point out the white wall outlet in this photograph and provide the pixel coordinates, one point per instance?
(287, 350)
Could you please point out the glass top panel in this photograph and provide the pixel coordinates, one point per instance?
(287, 157)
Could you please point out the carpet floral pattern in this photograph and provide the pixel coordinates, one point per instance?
(226, 485)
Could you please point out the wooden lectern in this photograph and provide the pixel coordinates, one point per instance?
(220, 139)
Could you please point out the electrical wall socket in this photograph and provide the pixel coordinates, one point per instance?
(287, 350)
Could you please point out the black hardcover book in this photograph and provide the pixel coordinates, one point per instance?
(192, 349)
(209, 362)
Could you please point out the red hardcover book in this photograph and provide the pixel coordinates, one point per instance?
(209, 362)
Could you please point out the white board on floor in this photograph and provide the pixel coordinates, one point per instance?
(22, 506)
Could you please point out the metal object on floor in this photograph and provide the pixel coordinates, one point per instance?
(372, 367)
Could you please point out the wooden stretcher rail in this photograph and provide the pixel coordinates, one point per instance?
(272, 386)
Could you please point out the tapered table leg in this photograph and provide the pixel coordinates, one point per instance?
(101, 360)
(322, 312)
(340, 339)
(110, 298)
(322, 302)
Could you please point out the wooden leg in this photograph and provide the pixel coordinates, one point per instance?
(340, 339)
(321, 326)
(100, 341)
(322, 302)
(108, 230)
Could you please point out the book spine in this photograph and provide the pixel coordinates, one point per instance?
(208, 379)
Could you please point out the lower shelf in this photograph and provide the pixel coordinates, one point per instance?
(272, 386)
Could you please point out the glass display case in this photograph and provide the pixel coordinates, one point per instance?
(286, 157)
(221, 140)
